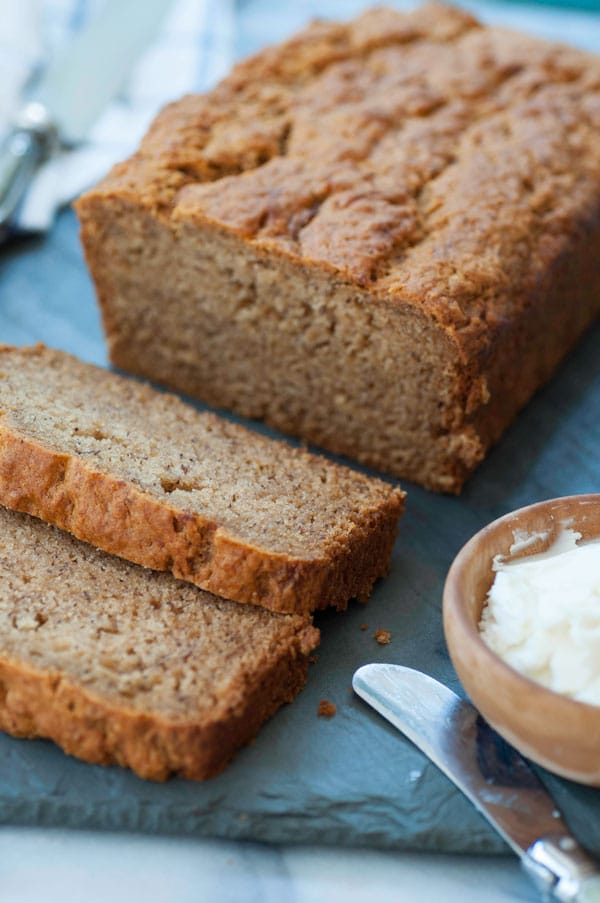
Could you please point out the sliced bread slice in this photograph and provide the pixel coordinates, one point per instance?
(118, 664)
(145, 476)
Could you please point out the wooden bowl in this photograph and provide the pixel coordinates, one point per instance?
(551, 729)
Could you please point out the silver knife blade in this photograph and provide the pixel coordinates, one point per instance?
(493, 775)
(79, 83)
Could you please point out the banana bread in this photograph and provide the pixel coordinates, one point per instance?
(117, 664)
(145, 476)
(381, 236)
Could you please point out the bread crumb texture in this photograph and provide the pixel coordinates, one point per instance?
(381, 236)
(141, 474)
(118, 664)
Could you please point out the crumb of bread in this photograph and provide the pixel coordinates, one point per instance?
(364, 626)
(383, 637)
(326, 709)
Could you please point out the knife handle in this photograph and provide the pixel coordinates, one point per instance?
(563, 870)
(27, 145)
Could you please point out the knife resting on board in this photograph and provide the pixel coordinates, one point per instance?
(491, 774)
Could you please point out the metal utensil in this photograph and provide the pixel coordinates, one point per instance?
(73, 91)
(491, 774)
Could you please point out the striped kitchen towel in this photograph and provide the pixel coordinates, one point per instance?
(193, 50)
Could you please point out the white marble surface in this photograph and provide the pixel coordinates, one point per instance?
(48, 866)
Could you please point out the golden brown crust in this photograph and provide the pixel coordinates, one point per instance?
(470, 100)
(118, 664)
(425, 161)
(117, 516)
(39, 704)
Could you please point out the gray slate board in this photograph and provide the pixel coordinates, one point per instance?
(352, 779)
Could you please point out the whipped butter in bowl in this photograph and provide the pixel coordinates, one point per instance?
(542, 615)
(522, 625)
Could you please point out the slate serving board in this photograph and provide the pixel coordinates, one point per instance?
(352, 779)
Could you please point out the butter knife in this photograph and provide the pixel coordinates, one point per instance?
(74, 89)
(492, 775)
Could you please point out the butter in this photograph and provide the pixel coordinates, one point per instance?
(543, 615)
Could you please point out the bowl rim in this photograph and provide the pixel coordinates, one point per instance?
(452, 607)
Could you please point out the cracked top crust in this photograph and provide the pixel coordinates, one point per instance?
(419, 155)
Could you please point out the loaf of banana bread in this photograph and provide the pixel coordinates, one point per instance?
(380, 236)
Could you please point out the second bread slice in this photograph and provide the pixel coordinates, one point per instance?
(121, 665)
(142, 475)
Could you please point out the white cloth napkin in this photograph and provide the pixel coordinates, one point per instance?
(193, 50)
